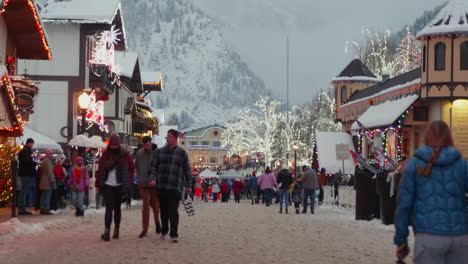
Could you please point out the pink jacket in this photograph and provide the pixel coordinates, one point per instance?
(267, 181)
(84, 179)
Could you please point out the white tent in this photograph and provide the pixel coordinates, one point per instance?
(81, 141)
(232, 174)
(326, 150)
(208, 174)
(41, 141)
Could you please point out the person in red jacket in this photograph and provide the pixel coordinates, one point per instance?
(237, 189)
(224, 192)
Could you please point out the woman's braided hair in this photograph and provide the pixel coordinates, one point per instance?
(437, 136)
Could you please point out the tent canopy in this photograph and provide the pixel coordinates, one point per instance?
(208, 174)
(41, 141)
(232, 174)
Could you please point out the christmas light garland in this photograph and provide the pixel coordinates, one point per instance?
(19, 127)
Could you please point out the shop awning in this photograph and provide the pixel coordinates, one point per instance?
(383, 115)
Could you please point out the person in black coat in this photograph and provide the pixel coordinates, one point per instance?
(26, 173)
(285, 180)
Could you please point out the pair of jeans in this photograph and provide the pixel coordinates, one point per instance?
(169, 205)
(215, 197)
(430, 249)
(237, 197)
(150, 200)
(309, 193)
(284, 197)
(45, 199)
(320, 196)
(78, 199)
(268, 195)
(26, 182)
(113, 200)
(254, 195)
(224, 197)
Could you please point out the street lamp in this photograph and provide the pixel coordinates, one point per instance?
(295, 147)
(200, 159)
(83, 101)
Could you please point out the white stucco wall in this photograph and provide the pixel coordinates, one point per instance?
(3, 40)
(50, 110)
(435, 111)
(64, 41)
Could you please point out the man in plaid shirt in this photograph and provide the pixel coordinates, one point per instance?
(170, 168)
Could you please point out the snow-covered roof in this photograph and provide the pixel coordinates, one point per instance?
(402, 81)
(356, 68)
(212, 125)
(127, 61)
(452, 19)
(151, 77)
(41, 141)
(385, 114)
(356, 79)
(81, 11)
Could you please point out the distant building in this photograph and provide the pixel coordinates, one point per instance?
(203, 144)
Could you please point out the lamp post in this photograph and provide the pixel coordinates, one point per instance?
(200, 159)
(295, 147)
(83, 102)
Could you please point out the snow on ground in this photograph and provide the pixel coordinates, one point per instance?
(227, 233)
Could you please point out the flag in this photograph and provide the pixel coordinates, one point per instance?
(355, 157)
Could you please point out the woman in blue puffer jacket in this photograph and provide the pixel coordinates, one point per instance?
(432, 198)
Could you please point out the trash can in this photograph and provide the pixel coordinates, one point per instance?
(387, 203)
(366, 196)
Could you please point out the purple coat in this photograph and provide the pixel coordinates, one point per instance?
(267, 181)
(84, 179)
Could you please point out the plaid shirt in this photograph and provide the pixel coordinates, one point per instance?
(171, 168)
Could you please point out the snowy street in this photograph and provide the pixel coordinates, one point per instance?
(218, 233)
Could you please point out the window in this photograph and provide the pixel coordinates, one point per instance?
(213, 160)
(424, 59)
(193, 143)
(344, 94)
(217, 144)
(464, 56)
(205, 143)
(215, 133)
(440, 57)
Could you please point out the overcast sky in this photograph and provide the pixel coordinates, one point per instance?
(318, 31)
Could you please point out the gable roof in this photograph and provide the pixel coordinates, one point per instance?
(12, 126)
(201, 129)
(105, 12)
(25, 27)
(401, 81)
(356, 68)
(452, 19)
(81, 11)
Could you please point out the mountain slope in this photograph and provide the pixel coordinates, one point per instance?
(201, 74)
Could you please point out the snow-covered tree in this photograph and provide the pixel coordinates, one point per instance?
(409, 54)
(254, 129)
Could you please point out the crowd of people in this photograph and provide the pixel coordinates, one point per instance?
(280, 187)
(56, 183)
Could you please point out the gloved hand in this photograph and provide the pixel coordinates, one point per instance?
(402, 251)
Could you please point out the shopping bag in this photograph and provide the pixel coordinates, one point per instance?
(188, 205)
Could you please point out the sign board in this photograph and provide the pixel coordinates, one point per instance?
(342, 152)
(195, 172)
(24, 101)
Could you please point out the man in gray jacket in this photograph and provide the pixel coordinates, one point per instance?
(147, 185)
(309, 181)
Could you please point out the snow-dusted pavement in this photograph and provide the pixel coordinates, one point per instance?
(218, 233)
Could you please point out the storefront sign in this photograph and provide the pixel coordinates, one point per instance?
(342, 152)
(24, 101)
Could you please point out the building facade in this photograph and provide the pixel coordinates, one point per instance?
(393, 113)
(203, 145)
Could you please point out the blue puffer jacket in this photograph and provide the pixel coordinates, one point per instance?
(435, 204)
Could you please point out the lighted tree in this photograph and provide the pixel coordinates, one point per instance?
(8, 150)
(409, 54)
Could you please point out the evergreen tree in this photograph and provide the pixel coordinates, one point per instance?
(409, 54)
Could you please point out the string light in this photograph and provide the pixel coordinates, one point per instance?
(18, 129)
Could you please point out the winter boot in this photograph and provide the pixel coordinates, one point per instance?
(286, 211)
(106, 235)
(297, 210)
(281, 210)
(80, 213)
(116, 233)
(76, 211)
